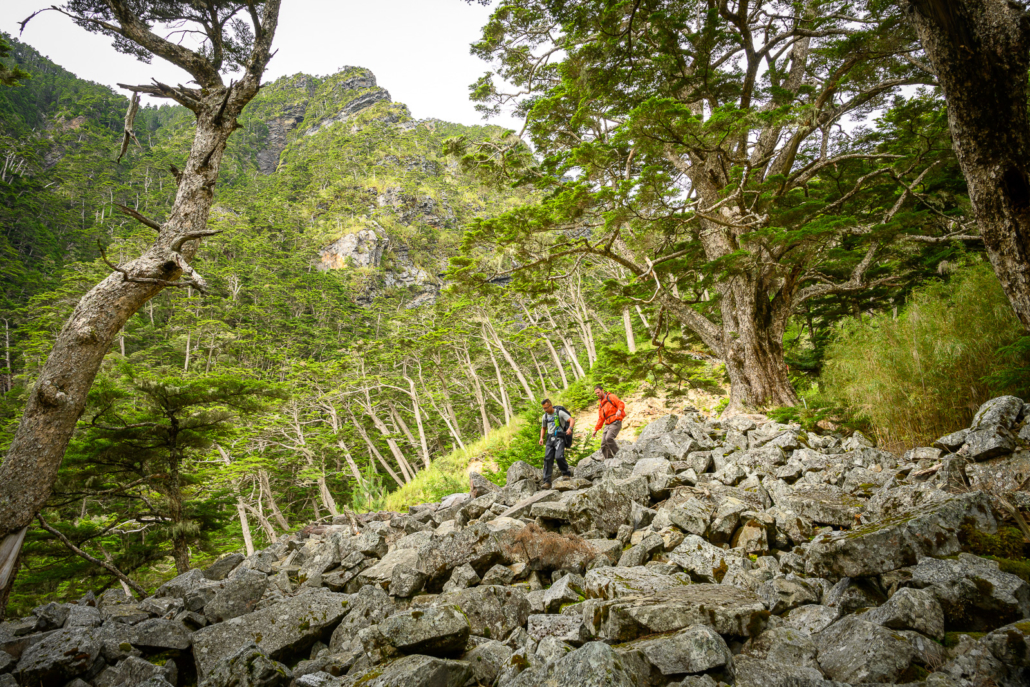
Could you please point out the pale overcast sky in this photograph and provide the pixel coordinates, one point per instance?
(418, 49)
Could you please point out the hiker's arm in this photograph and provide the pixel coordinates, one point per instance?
(543, 433)
(572, 423)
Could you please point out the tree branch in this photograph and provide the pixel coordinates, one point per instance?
(140, 592)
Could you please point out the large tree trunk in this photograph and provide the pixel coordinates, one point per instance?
(980, 52)
(627, 323)
(30, 469)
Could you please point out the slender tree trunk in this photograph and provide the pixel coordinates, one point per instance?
(248, 542)
(627, 322)
(186, 366)
(266, 489)
(29, 471)
(350, 462)
(539, 372)
(511, 361)
(263, 521)
(643, 318)
(550, 347)
(327, 498)
(6, 379)
(980, 52)
(577, 369)
(480, 399)
(418, 422)
(500, 383)
(375, 452)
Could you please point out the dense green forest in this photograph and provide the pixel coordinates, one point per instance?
(383, 293)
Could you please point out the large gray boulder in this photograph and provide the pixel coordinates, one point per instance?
(492, 611)
(973, 593)
(59, 657)
(422, 671)
(159, 634)
(239, 596)
(618, 583)
(910, 609)
(749, 671)
(607, 505)
(382, 572)
(278, 629)
(221, 568)
(853, 650)
(823, 504)
(785, 592)
(487, 660)
(728, 610)
(248, 666)
(369, 606)
(785, 646)
(595, 664)
(991, 434)
(436, 631)
(694, 649)
(699, 559)
(899, 541)
(567, 628)
(476, 545)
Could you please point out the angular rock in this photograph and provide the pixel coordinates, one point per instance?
(159, 634)
(726, 609)
(239, 596)
(694, 649)
(823, 504)
(521, 470)
(481, 486)
(910, 609)
(438, 631)
(369, 606)
(499, 574)
(477, 545)
(567, 628)
(492, 611)
(639, 554)
(702, 561)
(382, 572)
(422, 671)
(277, 629)
(757, 672)
(83, 616)
(462, 577)
(52, 616)
(783, 646)
(567, 590)
(973, 593)
(58, 658)
(783, 593)
(854, 651)
(619, 583)
(248, 666)
(487, 660)
(901, 540)
(221, 568)
(405, 581)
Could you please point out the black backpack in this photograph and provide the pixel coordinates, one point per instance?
(567, 438)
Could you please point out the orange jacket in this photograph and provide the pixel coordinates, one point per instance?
(610, 410)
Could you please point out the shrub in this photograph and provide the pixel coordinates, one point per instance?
(925, 374)
(543, 550)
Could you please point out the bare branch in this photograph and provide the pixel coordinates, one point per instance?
(138, 217)
(140, 591)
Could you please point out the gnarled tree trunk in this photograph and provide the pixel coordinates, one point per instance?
(980, 52)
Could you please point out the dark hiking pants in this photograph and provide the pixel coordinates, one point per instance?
(554, 449)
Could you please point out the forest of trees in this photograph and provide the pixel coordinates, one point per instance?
(728, 196)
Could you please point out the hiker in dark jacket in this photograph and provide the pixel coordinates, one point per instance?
(555, 426)
(610, 414)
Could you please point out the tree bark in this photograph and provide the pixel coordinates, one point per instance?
(418, 421)
(266, 492)
(29, 471)
(980, 52)
(511, 361)
(627, 322)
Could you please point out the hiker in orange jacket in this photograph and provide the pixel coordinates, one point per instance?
(610, 414)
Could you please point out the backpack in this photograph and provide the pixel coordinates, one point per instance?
(567, 438)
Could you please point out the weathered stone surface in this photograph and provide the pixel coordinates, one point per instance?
(785, 592)
(423, 671)
(619, 583)
(476, 545)
(61, 656)
(405, 581)
(854, 651)
(823, 504)
(248, 666)
(368, 607)
(900, 540)
(640, 553)
(785, 646)
(134, 672)
(486, 661)
(382, 572)
(597, 665)
(1010, 644)
(521, 470)
(437, 631)
(239, 596)
(492, 611)
(757, 672)
(726, 609)
(277, 629)
(567, 628)
(910, 609)
(462, 577)
(221, 568)
(499, 574)
(567, 590)
(692, 516)
(480, 486)
(699, 559)
(694, 649)
(607, 505)
(51, 616)
(83, 616)
(973, 593)
(160, 634)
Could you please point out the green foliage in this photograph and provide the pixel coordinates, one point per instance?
(1008, 543)
(925, 374)
(9, 76)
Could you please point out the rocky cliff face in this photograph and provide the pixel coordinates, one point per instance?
(708, 552)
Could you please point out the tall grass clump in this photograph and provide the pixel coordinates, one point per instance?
(920, 376)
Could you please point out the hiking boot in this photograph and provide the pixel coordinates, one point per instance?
(567, 475)
(545, 486)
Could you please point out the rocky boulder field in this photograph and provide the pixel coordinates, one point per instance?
(740, 552)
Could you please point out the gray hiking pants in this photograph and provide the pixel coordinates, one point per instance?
(608, 446)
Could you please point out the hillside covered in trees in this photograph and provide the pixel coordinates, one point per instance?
(264, 305)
